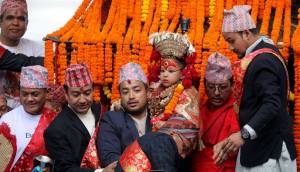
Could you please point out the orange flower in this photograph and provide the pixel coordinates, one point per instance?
(296, 47)
(49, 60)
(62, 63)
(170, 107)
(173, 26)
(287, 29)
(254, 10)
(277, 22)
(266, 18)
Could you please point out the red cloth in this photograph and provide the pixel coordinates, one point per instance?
(91, 158)
(36, 145)
(134, 159)
(218, 124)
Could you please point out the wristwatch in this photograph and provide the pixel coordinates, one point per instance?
(245, 134)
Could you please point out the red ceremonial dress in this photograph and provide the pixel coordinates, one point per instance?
(218, 124)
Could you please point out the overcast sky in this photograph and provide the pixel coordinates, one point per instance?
(46, 16)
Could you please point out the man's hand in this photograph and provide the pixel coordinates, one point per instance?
(219, 155)
(116, 106)
(233, 142)
(111, 167)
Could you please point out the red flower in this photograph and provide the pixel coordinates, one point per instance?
(190, 59)
(187, 83)
(155, 56)
(153, 73)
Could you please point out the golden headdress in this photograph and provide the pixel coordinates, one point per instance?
(171, 45)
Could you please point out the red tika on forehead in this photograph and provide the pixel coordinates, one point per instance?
(169, 63)
(129, 82)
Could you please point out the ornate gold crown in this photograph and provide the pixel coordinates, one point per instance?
(171, 45)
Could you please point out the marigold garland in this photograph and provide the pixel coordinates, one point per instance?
(173, 102)
(62, 63)
(108, 64)
(93, 62)
(97, 96)
(136, 32)
(212, 6)
(145, 51)
(199, 34)
(296, 46)
(261, 9)
(74, 53)
(206, 8)
(145, 10)
(241, 2)
(254, 10)
(193, 19)
(106, 91)
(100, 63)
(156, 18)
(49, 60)
(118, 63)
(249, 2)
(169, 109)
(130, 13)
(266, 17)
(172, 8)
(174, 23)
(164, 8)
(277, 22)
(287, 30)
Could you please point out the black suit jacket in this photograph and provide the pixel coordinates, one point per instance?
(117, 131)
(264, 108)
(67, 138)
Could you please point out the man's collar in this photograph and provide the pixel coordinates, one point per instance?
(78, 114)
(261, 38)
(140, 118)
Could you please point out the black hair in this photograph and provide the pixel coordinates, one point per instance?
(254, 31)
(182, 62)
(66, 88)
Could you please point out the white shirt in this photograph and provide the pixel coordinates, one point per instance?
(140, 124)
(27, 47)
(22, 125)
(261, 38)
(88, 120)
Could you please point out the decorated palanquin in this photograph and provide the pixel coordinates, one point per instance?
(105, 34)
